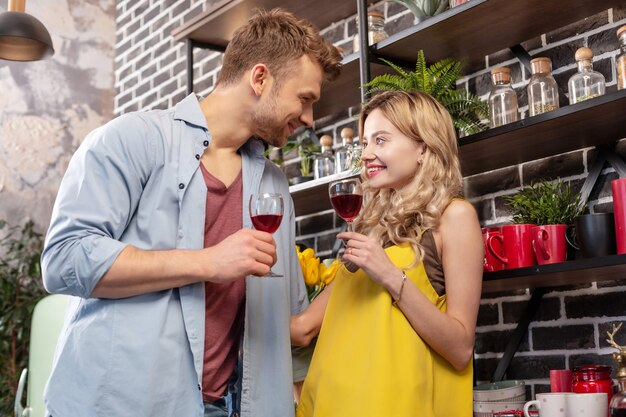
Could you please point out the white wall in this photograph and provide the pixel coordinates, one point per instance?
(47, 107)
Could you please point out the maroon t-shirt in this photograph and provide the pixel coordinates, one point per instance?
(225, 303)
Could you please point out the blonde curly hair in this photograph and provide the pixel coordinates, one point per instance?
(401, 216)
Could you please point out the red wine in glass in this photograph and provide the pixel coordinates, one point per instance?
(347, 206)
(346, 197)
(266, 213)
(266, 222)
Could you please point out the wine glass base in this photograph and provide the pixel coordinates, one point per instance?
(271, 274)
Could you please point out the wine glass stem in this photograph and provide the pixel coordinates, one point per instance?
(350, 227)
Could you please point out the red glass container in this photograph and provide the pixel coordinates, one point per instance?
(592, 378)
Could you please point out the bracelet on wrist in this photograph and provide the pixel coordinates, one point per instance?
(397, 300)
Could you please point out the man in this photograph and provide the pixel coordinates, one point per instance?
(151, 234)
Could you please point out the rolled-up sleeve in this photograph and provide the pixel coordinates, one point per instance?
(95, 203)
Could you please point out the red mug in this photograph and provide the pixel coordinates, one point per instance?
(549, 243)
(517, 244)
(618, 187)
(490, 262)
(560, 380)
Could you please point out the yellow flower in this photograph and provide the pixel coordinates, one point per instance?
(311, 274)
(329, 273)
(316, 274)
(302, 265)
(308, 253)
(322, 270)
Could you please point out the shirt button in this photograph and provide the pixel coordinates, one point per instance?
(181, 185)
(199, 387)
(198, 156)
(206, 143)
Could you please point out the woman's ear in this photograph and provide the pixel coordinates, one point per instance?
(422, 152)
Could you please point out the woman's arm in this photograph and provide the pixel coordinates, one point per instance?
(449, 333)
(306, 325)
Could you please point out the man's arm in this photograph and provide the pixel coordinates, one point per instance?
(84, 255)
(135, 271)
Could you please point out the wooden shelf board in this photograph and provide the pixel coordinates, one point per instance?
(481, 27)
(312, 196)
(217, 25)
(580, 271)
(592, 122)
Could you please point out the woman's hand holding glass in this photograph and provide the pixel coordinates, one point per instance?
(369, 255)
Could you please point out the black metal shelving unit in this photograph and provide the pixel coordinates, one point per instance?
(469, 33)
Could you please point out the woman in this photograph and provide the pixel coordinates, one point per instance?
(398, 321)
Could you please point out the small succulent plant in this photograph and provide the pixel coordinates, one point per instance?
(424, 8)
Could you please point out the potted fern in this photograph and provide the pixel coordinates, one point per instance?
(468, 112)
(423, 9)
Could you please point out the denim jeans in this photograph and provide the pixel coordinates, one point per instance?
(212, 410)
(219, 408)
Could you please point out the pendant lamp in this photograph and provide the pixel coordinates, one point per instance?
(22, 36)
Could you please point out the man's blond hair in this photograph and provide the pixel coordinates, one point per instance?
(277, 39)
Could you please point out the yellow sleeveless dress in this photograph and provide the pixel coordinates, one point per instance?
(369, 362)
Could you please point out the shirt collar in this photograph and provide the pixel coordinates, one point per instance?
(188, 110)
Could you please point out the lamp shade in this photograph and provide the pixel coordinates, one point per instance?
(23, 37)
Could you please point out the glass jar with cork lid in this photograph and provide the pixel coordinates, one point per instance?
(586, 83)
(502, 98)
(324, 163)
(343, 155)
(543, 92)
(375, 30)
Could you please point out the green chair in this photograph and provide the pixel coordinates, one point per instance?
(47, 322)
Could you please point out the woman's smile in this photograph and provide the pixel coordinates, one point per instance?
(373, 170)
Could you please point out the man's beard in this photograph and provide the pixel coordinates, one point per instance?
(266, 125)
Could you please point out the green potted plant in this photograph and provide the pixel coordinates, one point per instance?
(304, 141)
(423, 9)
(20, 289)
(468, 112)
(549, 207)
(546, 203)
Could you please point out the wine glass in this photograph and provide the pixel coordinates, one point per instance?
(346, 197)
(266, 213)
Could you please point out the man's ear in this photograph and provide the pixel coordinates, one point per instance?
(259, 77)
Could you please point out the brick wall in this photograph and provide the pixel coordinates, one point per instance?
(570, 327)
